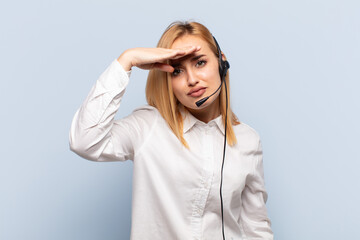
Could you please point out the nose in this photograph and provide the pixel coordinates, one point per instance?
(192, 79)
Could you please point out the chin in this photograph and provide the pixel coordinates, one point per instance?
(190, 104)
(193, 106)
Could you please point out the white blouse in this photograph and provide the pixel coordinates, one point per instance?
(175, 189)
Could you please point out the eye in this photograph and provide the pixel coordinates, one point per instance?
(200, 63)
(176, 72)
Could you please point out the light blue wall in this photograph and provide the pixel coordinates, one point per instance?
(294, 78)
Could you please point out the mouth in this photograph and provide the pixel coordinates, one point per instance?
(197, 92)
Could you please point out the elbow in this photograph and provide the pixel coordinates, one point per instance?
(78, 146)
(82, 151)
(80, 140)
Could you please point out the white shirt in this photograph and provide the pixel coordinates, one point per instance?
(176, 191)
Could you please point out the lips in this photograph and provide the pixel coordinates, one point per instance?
(196, 92)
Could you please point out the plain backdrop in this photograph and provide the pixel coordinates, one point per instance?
(294, 78)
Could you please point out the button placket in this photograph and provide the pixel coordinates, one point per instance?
(208, 163)
(206, 179)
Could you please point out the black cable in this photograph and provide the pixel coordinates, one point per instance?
(222, 166)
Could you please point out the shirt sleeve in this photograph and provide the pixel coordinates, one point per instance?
(94, 134)
(253, 217)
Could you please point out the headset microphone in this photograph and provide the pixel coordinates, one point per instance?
(201, 101)
(223, 67)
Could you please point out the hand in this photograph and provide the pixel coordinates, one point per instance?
(149, 58)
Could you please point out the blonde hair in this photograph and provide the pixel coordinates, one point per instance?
(159, 93)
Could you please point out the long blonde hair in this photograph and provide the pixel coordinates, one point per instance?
(159, 93)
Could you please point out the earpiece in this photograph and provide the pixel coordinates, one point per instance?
(223, 65)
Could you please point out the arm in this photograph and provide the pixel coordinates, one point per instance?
(253, 216)
(94, 134)
(92, 129)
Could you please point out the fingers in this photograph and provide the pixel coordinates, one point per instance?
(175, 54)
(179, 53)
(147, 58)
(163, 67)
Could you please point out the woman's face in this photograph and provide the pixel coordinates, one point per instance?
(196, 76)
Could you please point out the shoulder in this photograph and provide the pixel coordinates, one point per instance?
(146, 108)
(146, 111)
(246, 135)
(143, 117)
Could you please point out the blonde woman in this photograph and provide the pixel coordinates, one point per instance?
(185, 184)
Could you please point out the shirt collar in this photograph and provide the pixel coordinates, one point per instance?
(189, 121)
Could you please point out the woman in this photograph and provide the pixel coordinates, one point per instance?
(176, 146)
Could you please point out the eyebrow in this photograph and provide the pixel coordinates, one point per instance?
(177, 64)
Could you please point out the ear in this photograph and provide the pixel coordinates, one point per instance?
(223, 57)
(224, 65)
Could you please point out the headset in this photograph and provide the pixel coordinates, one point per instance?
(223, 68)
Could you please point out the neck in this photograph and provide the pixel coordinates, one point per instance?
(208, 113)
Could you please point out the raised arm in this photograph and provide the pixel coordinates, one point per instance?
(94, 133)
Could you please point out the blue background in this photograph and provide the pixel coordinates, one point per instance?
(294, 78)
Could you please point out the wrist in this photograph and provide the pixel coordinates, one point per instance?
(125, 61)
